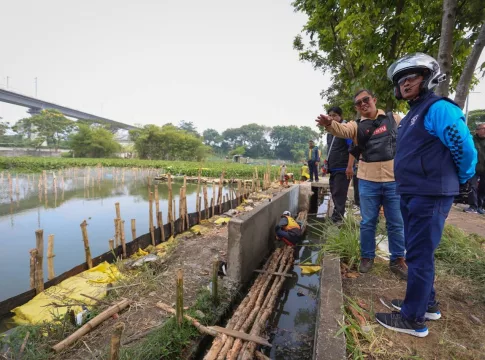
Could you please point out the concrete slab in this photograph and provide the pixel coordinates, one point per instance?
(327, 345)
(322, 182)
(252, 236)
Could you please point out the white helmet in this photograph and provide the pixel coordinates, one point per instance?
(417, 62)
(286, 213)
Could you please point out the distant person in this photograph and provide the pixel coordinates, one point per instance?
(283, 176)
(288, 230)
(476, 198)
(337, 164)
(375, 138)
(305, 173)
(435, 156)
(313, 160)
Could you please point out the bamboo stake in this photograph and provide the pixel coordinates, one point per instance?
(198, 205)
(173, 217)
(181, 209)
(33, 264)
(162, 230)
(150, 214)
(117, 232)
(212, 206)
(157, 205)
(215, 270)
(114, 352)
(39, 278)
(213, 197)
(205, 201)
(133, 229)
(118, 212)
(111, 244)
(171, 209)
(87, 250)
(180, 297)
(186, 212)
(122, 235)
(91, 325)
(50, 258)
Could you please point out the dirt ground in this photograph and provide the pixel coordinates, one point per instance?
(470, 223)
(194, 253)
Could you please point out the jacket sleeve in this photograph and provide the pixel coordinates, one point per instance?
(447, 122)
(343, 130)
(283, 222)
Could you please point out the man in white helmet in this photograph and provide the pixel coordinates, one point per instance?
(288, 230)
(435, 155)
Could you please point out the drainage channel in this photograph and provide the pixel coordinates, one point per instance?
(292, 325)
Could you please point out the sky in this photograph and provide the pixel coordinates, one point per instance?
(217, 63)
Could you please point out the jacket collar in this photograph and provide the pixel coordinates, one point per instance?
(379, 112)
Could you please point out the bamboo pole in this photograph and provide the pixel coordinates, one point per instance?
(50, 258)
(215, 293)
(118, 212)
(39, 266)
(122, 236)
(180, 297)
(205, 201)
(111, 244)
(157, 205)
(171, 209)
(91, 325)
(173, 217)
(213, 196)
(162, 230)
(114, 351)
(87, 250)
(181, 209)
(33, 265)
(133, 229)
(198, 205)
(212, 206)
(150, 214)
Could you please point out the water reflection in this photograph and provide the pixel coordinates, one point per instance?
(58, 202)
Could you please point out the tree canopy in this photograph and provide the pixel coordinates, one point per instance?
(94, 142)
(475, 117)
(356, 41)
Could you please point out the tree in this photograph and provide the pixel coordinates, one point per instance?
(4, 126)
(168, 143)
(211, 137)
(252, 136)
(94, 142)
(240, 150)
(290, 142)
(189, 127)
(475, 117)
(49, 126)
(355, 42)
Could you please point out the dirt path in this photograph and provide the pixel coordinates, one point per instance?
(470, 223)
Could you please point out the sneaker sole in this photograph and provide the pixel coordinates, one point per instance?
(427, 316)
(416, 333)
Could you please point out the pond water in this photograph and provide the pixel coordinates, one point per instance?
(70, 197)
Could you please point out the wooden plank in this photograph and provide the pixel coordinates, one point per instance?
(240, 335)
(274, 273)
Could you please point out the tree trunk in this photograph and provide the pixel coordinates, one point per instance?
(467, 75)
(446, 44)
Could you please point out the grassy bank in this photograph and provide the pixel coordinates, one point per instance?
(210, 169)
(460, 286)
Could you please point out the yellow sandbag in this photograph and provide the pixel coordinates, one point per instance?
(222, 220)
(139, 253)
(307, 269)
(91, 282)
(199, 230)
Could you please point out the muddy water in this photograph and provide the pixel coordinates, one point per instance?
(292, 324)
(69, 201)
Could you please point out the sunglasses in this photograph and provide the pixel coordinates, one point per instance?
(409, 77)
(364, 100)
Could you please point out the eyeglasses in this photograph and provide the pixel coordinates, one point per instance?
(364, 100)
(407, 77)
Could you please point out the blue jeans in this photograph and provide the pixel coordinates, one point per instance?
(372, 196)
(313, 169)
(424, 219)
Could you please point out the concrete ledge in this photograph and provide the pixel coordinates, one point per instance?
(251, 236)
(327, 345)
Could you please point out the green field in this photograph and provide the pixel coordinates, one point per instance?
(209, 168)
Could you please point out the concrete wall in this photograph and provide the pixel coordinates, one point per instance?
(252, 235)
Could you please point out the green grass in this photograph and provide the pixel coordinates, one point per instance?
(462, 254)
(212, 169)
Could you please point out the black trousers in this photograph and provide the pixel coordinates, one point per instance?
(355, 183)
(339, 186)
(313, 169)
(476, 198)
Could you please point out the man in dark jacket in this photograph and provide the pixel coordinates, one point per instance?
(337, 165)
(476, 198)
(435, 156)
(313, 160)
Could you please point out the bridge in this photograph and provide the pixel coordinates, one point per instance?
(35, 105)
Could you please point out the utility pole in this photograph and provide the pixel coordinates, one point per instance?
(36, 87)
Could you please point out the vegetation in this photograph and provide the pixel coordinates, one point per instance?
(168, 143)
(212, 169)
(93, 142)
(475, 117)
(355, 42)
